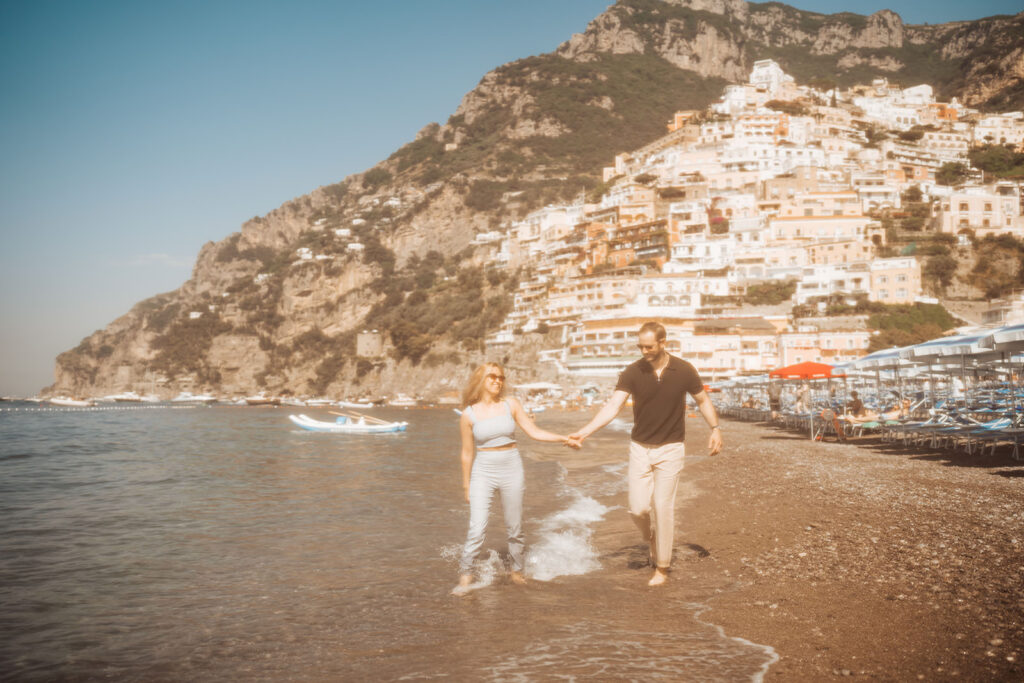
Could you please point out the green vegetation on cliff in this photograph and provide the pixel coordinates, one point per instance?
(613, 104)
(903, 324)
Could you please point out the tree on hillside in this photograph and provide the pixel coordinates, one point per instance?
(939, 270)
(998, 160)
(951, 173)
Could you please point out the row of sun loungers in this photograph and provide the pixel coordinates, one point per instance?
(975, 430)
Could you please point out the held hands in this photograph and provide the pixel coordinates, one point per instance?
(574, 441)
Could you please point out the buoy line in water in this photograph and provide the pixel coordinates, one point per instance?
(89, 409)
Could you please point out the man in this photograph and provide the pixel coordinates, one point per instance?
(775, 398)
(658, 384)
(856, 406)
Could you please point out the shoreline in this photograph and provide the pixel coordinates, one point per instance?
(857, 559)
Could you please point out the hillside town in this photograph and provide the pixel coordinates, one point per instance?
(775, 184)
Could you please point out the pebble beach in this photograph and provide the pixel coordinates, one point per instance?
(860, 559)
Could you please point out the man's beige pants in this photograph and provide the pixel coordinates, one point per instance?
(653, 479)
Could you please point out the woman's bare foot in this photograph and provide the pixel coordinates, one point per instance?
(660, 577)
(517, 578)
(464, 582)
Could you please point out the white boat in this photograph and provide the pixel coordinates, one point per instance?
(319, 402)
(403, 401)
(123, 397)
(344, 425)
(71, 402)
(189, 397)
(262, 399)
(354, 403)
(296, 402)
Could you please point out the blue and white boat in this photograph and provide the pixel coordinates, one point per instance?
(345, 425)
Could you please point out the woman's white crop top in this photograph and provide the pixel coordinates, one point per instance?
(493, 431)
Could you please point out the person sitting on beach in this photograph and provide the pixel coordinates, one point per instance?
(490, 460)
(803, 396)
(855, 407)
(865, 416)
(900, 411)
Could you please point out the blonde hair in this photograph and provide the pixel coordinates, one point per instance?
(474, 389)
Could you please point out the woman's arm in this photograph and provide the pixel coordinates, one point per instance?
(468, 451)
(530, 427)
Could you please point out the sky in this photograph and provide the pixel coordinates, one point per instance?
(131, 133)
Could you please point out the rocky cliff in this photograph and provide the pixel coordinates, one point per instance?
(276, 305)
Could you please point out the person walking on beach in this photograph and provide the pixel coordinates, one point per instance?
(775, 398)
(658, 383)
(490, 460)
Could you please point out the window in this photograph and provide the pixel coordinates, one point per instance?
(963, 206)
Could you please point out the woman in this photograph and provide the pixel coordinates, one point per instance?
(490, 460)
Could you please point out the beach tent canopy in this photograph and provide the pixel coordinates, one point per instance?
(945, 348)
(880, 360)
(807, 370)
(1009, 338)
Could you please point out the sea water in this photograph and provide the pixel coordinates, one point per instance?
(163, 543)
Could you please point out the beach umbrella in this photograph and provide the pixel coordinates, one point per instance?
(1009, 338)
(944, 349)
(805, 370)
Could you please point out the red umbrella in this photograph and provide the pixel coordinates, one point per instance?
(806, 370)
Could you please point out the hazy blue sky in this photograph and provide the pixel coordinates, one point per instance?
(133, 132)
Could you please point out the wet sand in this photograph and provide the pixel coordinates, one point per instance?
(860, 559)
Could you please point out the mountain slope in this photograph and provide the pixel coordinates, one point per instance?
(259, 314)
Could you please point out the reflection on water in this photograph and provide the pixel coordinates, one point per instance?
(222, 542)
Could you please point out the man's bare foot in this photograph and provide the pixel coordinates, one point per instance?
(517, 578)
(660, 577)
(464, 582)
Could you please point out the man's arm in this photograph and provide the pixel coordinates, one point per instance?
(707, 409)
(607, 413)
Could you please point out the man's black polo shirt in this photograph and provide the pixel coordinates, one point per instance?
(659, 405)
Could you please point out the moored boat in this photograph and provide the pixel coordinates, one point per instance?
(65, 401)
(319, 402)
(189, 397)
(347, 425)
(355, 404)
(262, 399)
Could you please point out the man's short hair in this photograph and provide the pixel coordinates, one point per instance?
(657, 328)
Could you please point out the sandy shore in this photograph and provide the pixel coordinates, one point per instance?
(857, 560)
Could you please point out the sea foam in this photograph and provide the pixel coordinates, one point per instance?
(564, 547)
